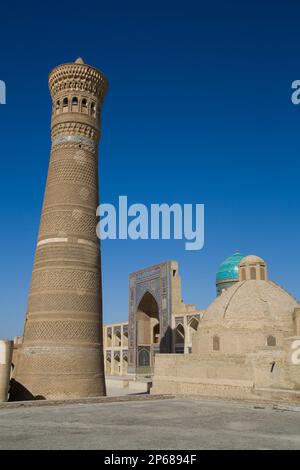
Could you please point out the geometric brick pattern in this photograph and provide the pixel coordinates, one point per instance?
(71, 193)
(74, 362)
(64, 279)
(81, 172)
(72, 222)
(78, 301)
(68, 255)
(82, 331)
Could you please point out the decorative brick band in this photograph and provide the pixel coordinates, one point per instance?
(77, 139)
(61, 240)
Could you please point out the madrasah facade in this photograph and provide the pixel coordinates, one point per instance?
(158, 322)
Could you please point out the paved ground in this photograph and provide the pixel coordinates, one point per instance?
(161, 424)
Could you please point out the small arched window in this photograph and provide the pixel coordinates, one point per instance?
(262, 273)
(84, 106)
(179, 336)
(74, 104)
(216, 343)
(118, 340)
(93, 109)
(252, 273)
(271, 341)
(65, 105)
(57, 107)
(144, 359)
(243, 274)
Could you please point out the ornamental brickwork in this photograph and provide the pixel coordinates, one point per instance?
(62, 351)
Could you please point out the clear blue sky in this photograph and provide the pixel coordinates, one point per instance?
(198, 111)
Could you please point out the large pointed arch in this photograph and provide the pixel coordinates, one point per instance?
(148, 327)
(147, 320)
(142, 294)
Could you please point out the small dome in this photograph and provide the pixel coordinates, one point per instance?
(229, 269)
(79, 61)
(253, 267)
(251, 259)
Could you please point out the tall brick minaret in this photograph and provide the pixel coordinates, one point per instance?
(62, 352)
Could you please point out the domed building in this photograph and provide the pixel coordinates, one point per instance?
(247, 344)
(228, 272)
(253, 313)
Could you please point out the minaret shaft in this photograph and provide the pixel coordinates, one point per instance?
(62, 352)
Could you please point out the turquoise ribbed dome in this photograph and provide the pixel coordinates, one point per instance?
(229, 269)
